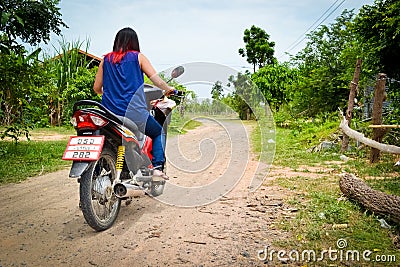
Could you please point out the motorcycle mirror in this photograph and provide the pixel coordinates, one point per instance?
(178, 71)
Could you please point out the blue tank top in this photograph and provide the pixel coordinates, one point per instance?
(123, 88)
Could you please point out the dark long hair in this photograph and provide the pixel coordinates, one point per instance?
(126, 40)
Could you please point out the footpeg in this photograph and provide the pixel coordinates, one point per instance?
(145, 179)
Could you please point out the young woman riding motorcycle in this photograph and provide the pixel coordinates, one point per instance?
(120, 81)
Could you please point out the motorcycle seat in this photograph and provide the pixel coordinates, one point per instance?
(109, 114)
(131, 126)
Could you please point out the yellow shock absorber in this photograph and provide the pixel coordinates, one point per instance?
(120, 158)
(120, 161)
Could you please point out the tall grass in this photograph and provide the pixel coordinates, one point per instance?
(65, 65)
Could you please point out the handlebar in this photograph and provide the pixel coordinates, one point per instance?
(177, 93)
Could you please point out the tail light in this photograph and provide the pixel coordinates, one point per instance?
(85, 120)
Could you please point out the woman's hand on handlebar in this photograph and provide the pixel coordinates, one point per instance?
(174, 92)
(171, 91)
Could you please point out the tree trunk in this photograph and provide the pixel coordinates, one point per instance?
(379, 96)
(248, 114)
(182, 107)
(373, 200)
(58, 113)
(350, 105)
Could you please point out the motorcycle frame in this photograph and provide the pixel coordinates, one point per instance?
(138, 151)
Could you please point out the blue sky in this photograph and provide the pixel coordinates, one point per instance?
(181, 31)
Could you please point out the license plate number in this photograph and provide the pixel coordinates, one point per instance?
(86, 148)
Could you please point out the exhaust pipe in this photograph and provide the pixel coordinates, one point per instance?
(122, 190)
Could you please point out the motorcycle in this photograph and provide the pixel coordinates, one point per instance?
(112, 158)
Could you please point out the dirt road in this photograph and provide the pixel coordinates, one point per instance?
(42, 225)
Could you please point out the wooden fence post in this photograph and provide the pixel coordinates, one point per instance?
(350, 105)
(379, 96)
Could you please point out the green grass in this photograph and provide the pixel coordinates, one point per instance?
(291, 147)
(324, 216)
(180, 125)
(27, 159)
(292, 152)
(30, 158)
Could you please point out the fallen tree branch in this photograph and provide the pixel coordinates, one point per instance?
(373, 200)
(384, 126)
(369, 142)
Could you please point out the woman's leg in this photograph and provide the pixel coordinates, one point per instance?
(155, 131)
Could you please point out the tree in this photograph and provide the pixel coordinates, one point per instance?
(21, 74)
(258, 50)
(218, 106)
(326, 66)
(242, 99)
(378, 27)
(18, 78)
(32, 21)
(216, 91)
(275, 82)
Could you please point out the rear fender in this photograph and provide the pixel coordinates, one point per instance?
(78, 167)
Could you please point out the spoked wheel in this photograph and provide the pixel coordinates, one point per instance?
(100, 206)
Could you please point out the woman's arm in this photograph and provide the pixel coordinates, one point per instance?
(150, 72)
(98, 82)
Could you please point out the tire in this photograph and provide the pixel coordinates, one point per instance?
(100, 206)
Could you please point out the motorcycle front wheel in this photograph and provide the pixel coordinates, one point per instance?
(100, 206)
(157, 188)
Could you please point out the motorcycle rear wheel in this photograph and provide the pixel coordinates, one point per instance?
(100, 206)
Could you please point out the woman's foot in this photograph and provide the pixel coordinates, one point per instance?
(158, 175)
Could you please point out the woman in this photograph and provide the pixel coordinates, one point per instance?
(120, 80)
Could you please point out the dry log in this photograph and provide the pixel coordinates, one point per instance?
(373, 200)
(369, 142)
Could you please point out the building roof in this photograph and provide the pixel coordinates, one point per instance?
(92, 59)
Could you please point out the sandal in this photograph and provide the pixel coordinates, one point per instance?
(159, 175)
